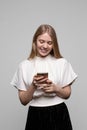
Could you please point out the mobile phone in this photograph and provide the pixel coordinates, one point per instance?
(43, 74)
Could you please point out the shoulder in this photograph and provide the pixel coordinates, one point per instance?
(61, 61)
(58, 61)
(63, 64)
(25, 63)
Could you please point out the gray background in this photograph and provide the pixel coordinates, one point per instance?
(18, 22)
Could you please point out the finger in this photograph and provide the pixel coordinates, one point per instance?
(34, 81)
(38, 78)
(46, 88)
(43, 80)
(47, 91)
(49, 81)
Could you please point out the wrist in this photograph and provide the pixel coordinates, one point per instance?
(57, 89)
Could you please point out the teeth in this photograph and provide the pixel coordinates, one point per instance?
(43, 51)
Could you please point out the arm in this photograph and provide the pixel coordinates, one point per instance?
(64, 92)
(26, 96)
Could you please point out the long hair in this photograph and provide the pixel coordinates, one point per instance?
(45, 28)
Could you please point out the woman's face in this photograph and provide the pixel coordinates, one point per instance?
(44, 45)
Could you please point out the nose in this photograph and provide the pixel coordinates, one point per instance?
(45, 45)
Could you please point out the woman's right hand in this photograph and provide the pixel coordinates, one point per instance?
(38, 81)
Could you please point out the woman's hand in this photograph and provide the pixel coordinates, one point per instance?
(63, 92)
(49, 87)
(38, 81)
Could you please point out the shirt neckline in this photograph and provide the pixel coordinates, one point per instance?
(43, 58)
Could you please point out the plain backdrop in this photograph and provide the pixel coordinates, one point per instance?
(19, 20)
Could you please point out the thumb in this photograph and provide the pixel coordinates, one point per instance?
(49, 81)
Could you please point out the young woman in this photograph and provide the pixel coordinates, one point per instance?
(46, 92)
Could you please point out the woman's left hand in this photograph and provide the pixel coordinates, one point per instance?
(49, 87)
(63, 92)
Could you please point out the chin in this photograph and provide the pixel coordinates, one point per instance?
(43, 54)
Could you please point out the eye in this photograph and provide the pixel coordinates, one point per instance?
(50, 42)
(41, 41)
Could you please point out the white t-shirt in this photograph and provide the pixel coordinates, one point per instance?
(59, 71)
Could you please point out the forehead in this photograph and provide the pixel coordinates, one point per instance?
(45, 36)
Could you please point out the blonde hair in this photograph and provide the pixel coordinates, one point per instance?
(45, 28)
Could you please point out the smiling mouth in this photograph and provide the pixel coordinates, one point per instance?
(43, 50)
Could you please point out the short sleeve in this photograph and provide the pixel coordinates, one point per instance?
(68, 76)
(17, 80)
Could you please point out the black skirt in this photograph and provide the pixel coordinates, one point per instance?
(48, 118)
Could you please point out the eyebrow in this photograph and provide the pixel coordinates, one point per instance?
(44, 40)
